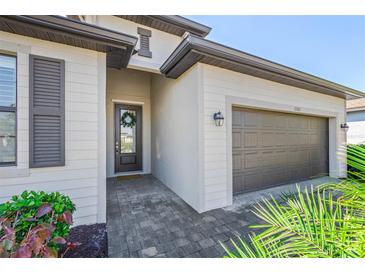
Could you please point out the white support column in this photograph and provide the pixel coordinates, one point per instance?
(337, 144)
(101, 216)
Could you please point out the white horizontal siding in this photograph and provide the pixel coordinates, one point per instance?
(55, 174)
(79, 97)
(81, 88)
(356, 132)
(86, 135)
(215, 188)
(8, 187)
(218, 84)
(79, 177)
(81, 126)
(81, 68)
(81, 106)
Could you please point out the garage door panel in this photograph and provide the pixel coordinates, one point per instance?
(281, 158)
(316, 169)
(251, 160)
(280, 139)
(303, 139)
(267, 121)
(281, 121)
(272, 176)
(237, 183)
(251, 181)
(293, 122)
(251, 139)
(250, 120)
(236, 138)
(268, 139)
(271, 148)
(305, 172)
(237, 163)
(268, 158)
(315, 155)
(303, 123)
(299, 156)
(314, 123)
(292, 139)
(299, 173)
(236, 119)
(315, 139)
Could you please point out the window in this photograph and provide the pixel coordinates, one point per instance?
(7, 109)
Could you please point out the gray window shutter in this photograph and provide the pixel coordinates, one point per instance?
(144, 42)
(46, 112)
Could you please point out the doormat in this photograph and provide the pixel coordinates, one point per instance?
(128, 177)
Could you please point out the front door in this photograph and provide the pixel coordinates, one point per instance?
(128, 138)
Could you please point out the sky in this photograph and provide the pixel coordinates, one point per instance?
(330, 47)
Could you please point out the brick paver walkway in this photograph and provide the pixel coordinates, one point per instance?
(146, 219)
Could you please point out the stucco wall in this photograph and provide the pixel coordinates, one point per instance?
(222, 89)
(130, 87)
(356, 132)
(83, 176)
(161, 43)
(175, 134)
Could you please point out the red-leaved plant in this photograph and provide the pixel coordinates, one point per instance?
(33, 231)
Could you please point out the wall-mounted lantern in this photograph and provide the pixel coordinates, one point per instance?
(345, 127)
(218, 119)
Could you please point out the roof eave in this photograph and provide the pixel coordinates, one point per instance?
(194, 49)
(190, 25)
(72, 32)
(173, 24)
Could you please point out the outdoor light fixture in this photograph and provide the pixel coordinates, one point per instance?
(218, 119)
(345, 127)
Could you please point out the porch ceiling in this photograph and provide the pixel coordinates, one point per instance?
(118, 46)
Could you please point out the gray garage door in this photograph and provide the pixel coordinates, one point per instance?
(273, 148)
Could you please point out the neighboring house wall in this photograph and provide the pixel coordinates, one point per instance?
(161, 43)
(175, 134)
(222, 89)
(83, 176)
(356, 122)
(130, 87)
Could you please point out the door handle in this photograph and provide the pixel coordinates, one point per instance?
(116, 147)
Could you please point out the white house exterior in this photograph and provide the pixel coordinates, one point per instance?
(356, 121)
(173, 80)
(84, 87)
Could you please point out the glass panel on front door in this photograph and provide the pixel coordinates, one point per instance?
(127, 133)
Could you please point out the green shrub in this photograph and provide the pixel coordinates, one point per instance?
(31, 211)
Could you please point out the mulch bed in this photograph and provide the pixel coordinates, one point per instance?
(92, 239)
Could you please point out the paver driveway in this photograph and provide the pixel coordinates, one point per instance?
(146, 219)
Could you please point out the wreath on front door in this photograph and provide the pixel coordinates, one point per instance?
(128, 119)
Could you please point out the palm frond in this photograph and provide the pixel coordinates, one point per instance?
(312, 223)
